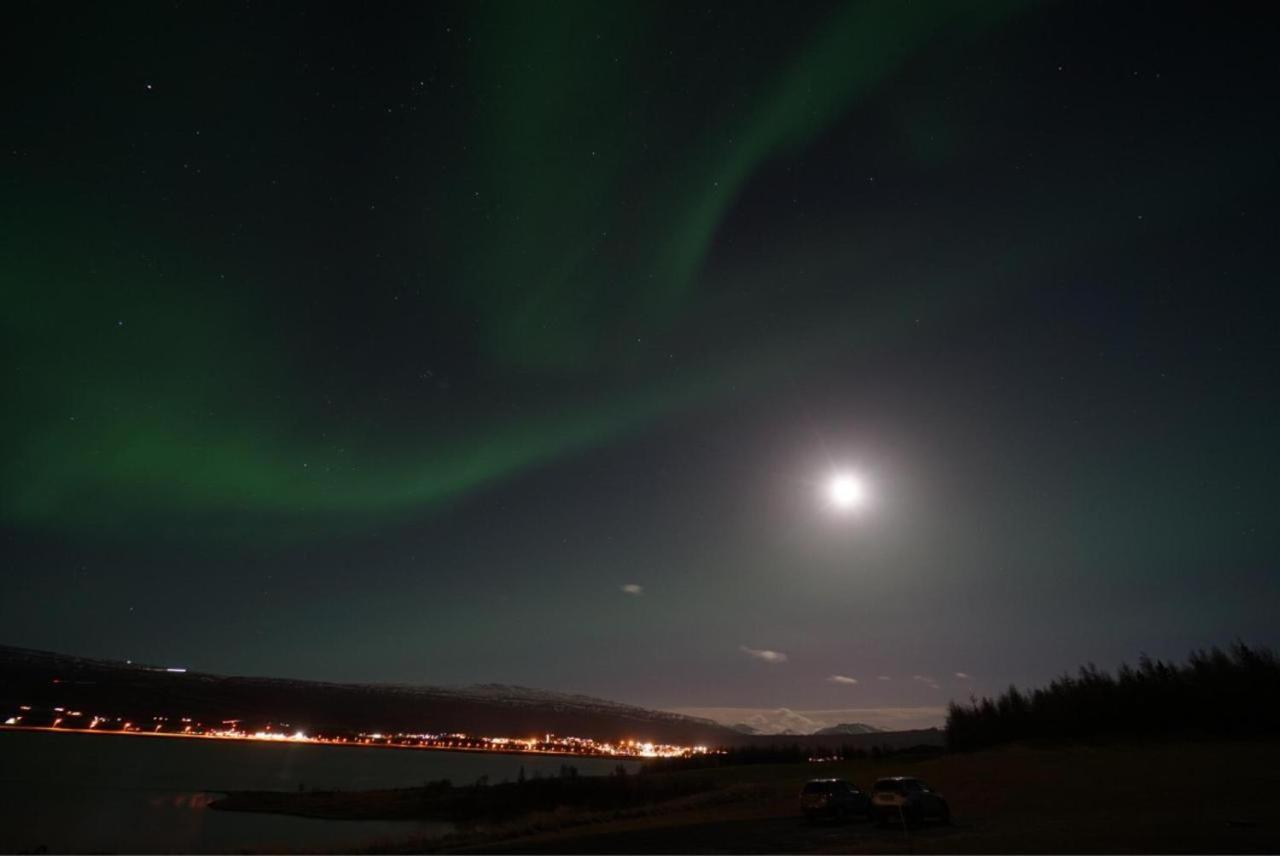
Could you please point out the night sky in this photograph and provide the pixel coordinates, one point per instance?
(517, 342)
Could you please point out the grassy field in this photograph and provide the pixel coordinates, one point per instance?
(1209, 797)
(1185, 797)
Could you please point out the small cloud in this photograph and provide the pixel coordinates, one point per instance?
(927, 681)
(883, 678)
(964, 676)
(633, 589)
(764, 654)
(842, 679)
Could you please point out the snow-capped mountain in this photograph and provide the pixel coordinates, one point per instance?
(849, 728)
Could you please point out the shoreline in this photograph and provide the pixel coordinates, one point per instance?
(312, 741)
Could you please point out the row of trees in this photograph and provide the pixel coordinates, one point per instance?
(1235, 692)
(781, 753)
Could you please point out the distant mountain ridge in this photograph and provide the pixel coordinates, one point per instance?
(844, 728)
(138, 690)
(849, 728)
(114, 688)
(784, 722)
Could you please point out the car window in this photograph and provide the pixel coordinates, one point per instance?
(913, 786)
(889, 785)
(817, 788)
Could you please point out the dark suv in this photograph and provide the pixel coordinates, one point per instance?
(905, 799)
(833, 798)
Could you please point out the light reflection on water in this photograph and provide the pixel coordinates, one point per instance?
(87, 793)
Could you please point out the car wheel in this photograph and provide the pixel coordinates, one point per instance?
(944, 816)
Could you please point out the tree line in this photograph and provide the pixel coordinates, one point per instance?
(1219, 693)
(780, 753)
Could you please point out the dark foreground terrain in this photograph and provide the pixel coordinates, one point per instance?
(1179, 797)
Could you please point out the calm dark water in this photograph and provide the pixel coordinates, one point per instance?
(88, 793)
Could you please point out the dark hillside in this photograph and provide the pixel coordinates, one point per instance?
(44, 679)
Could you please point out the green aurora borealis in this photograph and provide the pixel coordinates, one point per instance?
(151, 381)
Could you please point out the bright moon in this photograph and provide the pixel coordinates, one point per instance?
(846, 491)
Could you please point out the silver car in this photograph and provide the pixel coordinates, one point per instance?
(906, 799)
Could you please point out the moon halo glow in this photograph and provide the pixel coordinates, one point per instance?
(846, 492)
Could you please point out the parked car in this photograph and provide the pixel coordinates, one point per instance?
(899, 799)
(833, 798)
